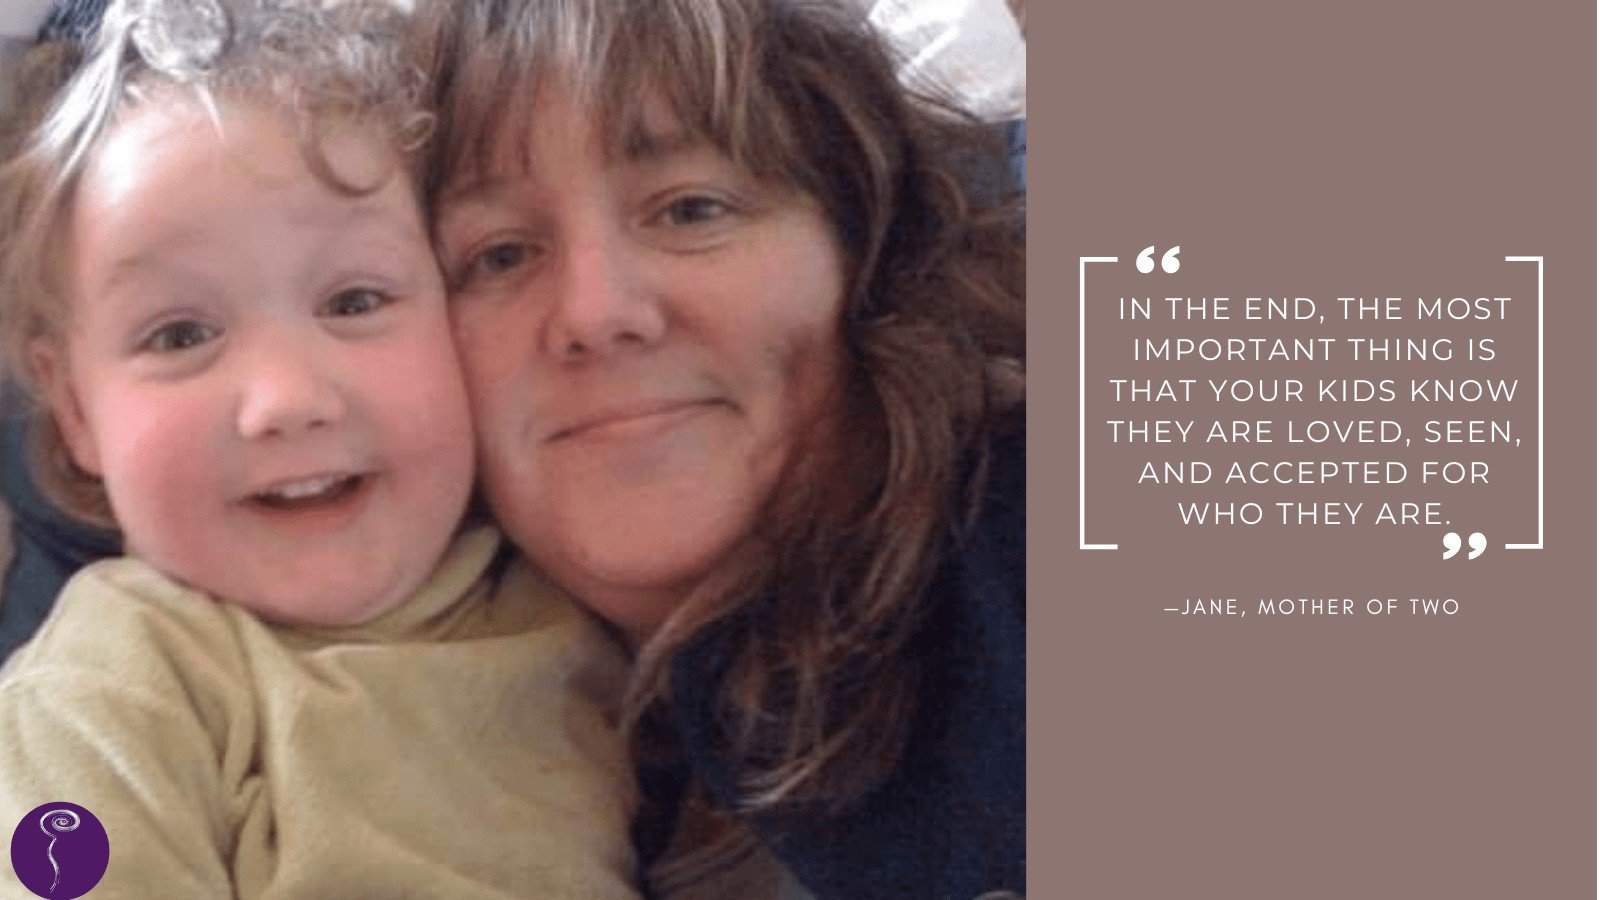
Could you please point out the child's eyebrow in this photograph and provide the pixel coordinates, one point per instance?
(148, 259)
(359, 212)
(370, 225)
(380, 230)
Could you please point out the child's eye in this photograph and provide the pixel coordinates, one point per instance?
(355, 302)
(177, 336)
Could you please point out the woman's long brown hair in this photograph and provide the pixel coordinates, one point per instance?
(817, 615)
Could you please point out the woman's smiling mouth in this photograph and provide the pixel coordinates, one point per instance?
(633, 420)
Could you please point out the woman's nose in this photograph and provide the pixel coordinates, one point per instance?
(606, 302)
(287, 392)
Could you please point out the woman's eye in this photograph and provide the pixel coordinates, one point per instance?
(177, 336)
(500, 258)
(355, 302)
(494, 261)
(694, 210)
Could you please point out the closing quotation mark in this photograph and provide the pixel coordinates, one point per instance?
(1147, 260)
(1475, 540)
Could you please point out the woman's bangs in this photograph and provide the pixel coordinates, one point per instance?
(701, 59)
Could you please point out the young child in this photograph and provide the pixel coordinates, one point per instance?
(304, 679)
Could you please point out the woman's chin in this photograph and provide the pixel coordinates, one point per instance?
(637, 578)
(632, 551)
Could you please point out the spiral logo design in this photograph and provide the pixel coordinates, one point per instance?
(55, 823)
(60, 850)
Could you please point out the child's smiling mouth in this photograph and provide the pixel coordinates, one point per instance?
(310, 493)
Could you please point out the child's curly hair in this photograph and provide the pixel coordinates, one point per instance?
(317, 62)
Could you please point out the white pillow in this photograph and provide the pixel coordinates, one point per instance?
(23, 18)
(971, 49)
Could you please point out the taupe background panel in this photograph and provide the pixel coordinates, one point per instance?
(1323, 148)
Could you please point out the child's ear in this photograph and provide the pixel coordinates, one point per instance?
(48, 360)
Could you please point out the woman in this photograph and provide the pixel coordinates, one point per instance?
(745, 355)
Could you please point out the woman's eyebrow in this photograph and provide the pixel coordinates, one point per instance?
(642, 145)
(476, 191)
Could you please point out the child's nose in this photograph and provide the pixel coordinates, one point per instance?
(285, 394)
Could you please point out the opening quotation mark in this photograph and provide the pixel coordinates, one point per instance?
(1146, 262)
(1476, 541)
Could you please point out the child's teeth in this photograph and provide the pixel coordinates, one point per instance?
(308, 488)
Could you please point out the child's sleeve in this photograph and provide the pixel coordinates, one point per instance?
(113, 710)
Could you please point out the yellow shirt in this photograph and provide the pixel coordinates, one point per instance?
(460, 746)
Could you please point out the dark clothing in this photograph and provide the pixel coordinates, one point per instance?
(48, 545)
(1017, 150)
(949, 822)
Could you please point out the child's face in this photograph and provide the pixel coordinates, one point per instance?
(259, 367)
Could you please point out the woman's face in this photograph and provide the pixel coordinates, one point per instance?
(646, 339)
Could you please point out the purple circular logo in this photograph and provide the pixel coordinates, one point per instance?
(60, 851)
